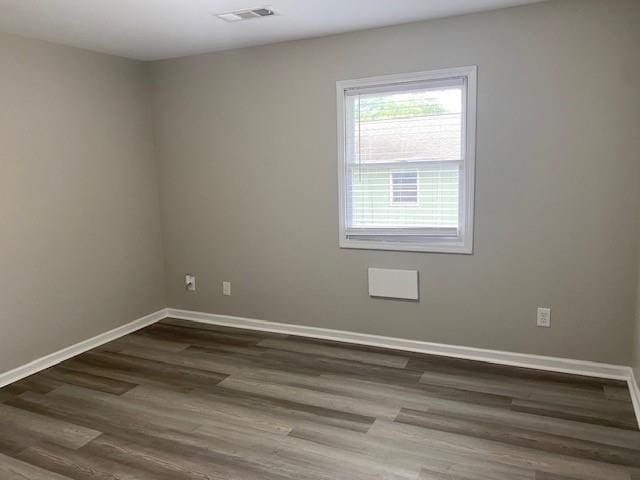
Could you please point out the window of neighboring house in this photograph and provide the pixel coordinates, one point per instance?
(404, 188)
(407, 153)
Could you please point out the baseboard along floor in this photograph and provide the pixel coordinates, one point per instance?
(179, 398)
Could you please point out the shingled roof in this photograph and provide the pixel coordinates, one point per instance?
(434, 137)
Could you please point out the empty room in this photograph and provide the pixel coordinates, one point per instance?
(320, 240)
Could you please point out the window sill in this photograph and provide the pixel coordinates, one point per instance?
(454, 246)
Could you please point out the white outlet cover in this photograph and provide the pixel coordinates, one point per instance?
(544, 317)
(226, 288)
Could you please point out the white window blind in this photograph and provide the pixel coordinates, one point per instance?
(405, 165)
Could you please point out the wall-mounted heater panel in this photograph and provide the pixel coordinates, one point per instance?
(393, 283)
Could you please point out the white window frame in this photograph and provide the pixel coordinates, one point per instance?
(392, 202)
(463, 242)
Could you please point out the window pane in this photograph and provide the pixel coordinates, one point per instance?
(432, 200)
(417, 125)
(404, 157)
(404, 188)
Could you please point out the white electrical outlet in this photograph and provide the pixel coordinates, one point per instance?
(226, 288)
(544, 317)
(190, 282)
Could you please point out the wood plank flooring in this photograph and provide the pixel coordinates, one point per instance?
(180, 400)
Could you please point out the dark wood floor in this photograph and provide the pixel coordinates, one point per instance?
(180, 400)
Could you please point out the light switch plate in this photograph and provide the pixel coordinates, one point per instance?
(190, 282)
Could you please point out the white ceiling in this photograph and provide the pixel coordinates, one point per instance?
(155, 29)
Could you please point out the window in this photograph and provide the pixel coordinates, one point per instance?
(404, 188)
(406, 161)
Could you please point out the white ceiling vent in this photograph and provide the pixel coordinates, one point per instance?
(241, 15)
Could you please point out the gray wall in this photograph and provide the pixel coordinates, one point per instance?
(636, 351)
(635, 346)
(79, 207)
(247, 151)
(635, 338)
(246, 145)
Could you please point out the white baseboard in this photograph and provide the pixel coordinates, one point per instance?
(68, 352)
(555, 364)
(552, 364)
(635, 395)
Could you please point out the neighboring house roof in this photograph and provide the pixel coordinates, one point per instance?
(434, 137)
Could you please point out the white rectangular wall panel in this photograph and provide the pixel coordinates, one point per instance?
(393, 283)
